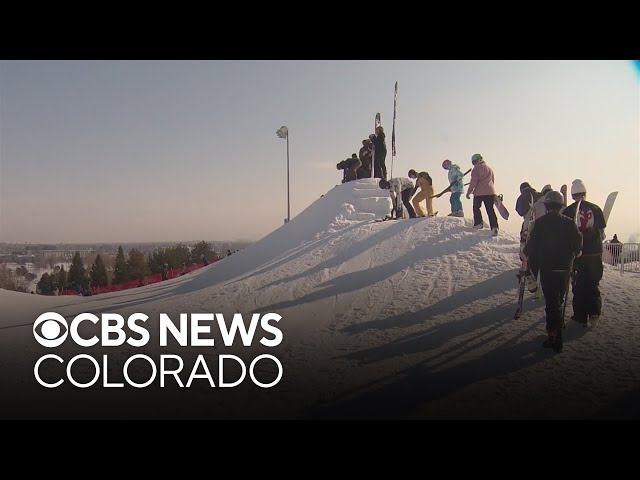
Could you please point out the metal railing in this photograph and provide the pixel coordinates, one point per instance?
(626, 256)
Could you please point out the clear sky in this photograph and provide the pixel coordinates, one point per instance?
(120, 151)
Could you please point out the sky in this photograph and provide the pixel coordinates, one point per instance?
(403, 319)
(130, 151)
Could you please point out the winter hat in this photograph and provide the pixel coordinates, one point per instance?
(553, 198)
(412, 172)
(476, 157)
(546, 188)
(524, 186)
(383, 184)
(446, 164)
(577, 186)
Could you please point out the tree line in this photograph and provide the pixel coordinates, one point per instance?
(134, 266)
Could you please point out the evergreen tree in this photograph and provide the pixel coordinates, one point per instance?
(77, 274)
(121, 271)
(62, 282)
(178, 255)
(200, 249)
(137, 266)
(45, 284)
(99, 273)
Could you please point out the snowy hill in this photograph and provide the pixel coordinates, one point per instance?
(403, 319)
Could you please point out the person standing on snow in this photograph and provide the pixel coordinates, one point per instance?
(425, 183)
(380, 154)
(456, 187)
(553, 244)
(399, 188)
(587, 302)
(365, 159)
(482, 188)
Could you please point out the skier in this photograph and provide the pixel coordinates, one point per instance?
(526, 200)
(365, 158)
(456, 188)
(399, 188)
(425, 183)
(380, 154)
(554, 243)
(482, 188)
(587, 302)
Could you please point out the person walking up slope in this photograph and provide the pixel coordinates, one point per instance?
(482, 188)
(587, 302)
(400, 188)
(425, 183)
(455, 186)
(554, 243)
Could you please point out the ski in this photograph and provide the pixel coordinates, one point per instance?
(524, 268)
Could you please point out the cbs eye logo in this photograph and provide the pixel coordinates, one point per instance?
(50, 329)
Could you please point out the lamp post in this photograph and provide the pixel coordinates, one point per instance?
(283, 132)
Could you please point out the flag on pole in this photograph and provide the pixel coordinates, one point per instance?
(393, 132)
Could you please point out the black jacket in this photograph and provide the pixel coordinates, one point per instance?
(381, 146)
(590, 223)
(527, 198)
(554, 242)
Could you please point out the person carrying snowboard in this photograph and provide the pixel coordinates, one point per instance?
(400, 189)
(553, 244)
(425, 183)
(482, 188)
(587, 302)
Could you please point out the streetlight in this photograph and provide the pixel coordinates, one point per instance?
(283, 132)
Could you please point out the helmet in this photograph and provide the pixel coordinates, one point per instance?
(383, 184)
(412, 172)
(547, 188)
(552, 197)
(446, 164)
(475, 157)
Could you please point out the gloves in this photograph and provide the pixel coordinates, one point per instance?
(468, 195)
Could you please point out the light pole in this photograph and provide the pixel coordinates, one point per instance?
(283, 132)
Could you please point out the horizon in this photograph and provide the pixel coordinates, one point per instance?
(93, 151)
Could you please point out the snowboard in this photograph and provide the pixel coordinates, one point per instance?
(502, 210)
(563, 191)
(608, 205)
(387, 217)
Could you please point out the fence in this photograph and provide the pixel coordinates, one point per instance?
(148, 280)
(624, 255)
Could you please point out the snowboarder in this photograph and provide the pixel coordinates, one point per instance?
(587, 302)
(482, 188)
(425, 183)
(456, 188)
(554, 243)
(399, 188)
(380, 154)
